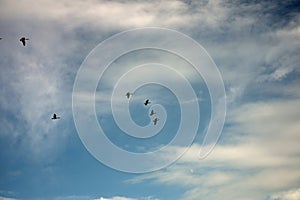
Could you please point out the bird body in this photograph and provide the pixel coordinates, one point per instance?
(128, 94)
(23, 40)
(152, 112)
(155, 121)
(55, 117)
(147, 102)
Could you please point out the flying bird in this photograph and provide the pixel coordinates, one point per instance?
(55, 117)
(147, 102)
(23, 40)
(152, 112)
(155, 121)
(0, 38)
(128, 94)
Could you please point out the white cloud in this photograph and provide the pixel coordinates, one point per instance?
(73, 197)
(116, 198)
(279, 74)
(287, 195)
(101, 198)
(250, 161)
(120, 14)
(6, 198)
(127, 198)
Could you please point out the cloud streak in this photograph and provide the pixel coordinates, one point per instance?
(251, 162)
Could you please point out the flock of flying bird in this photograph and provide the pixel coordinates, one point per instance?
(128, 94)
(147, 102)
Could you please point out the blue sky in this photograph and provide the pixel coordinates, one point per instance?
(255, 46)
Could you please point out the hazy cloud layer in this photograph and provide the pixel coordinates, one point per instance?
(251, 164)
(255, 44)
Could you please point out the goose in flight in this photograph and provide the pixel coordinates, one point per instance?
(128, 94)
(23, 40)
(152, 112)
(155, 121)
(147, 102)
(55, 117)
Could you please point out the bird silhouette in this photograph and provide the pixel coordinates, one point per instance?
(152, 112)
(155, 121)
(55, 117)
(128, 94)
(147, 102)
(0, 38)
(23, 40)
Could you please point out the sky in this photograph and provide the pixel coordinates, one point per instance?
(255, 46)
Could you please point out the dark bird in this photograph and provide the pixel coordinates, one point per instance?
(55, 117)
(0, 38)
(147, 102)
(128, 94)
(23, 40)
(152, 112)
(155, 121)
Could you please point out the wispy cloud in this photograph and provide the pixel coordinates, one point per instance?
(44, 73)
(122, 14)
(293, 194)
(6, 198)
(38, 78)
(127, 198)
(115, 198)
(75, 197)
(249, 161)
(255, 45)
